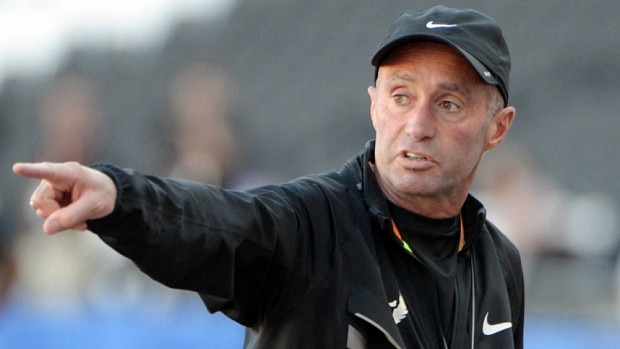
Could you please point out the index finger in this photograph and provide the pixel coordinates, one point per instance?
(53, 172)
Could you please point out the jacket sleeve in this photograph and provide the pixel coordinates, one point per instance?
(236, 249)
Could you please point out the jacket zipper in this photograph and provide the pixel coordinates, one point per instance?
(473, 306)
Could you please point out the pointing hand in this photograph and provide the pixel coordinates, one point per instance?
(69, 194)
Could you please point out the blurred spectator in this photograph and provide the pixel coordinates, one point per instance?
(70, 119)
(204, 138)
(8, 204)
(568, 241)
(206, 144)
(540, 216)
(523, 202)
(7, 254)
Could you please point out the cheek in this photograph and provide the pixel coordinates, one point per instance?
(468, 147)
(387, 119)
(383, 127)
(473, 135)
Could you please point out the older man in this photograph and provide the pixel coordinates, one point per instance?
(390, 251)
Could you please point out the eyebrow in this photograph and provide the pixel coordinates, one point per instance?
(395, 76)
(400, 76)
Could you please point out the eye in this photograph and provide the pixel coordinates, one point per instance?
(400, 99)
(449, 106)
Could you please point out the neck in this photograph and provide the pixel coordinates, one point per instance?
(429, 207)
(438, 206)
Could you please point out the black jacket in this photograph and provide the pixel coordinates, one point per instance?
(302, 264)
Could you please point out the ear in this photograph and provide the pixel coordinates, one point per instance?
(372, 93)
(498, 129)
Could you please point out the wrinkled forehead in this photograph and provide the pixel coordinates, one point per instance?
(431, 55)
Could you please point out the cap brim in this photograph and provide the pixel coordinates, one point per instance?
(482, 71)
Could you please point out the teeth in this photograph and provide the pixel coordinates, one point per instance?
(413, 156)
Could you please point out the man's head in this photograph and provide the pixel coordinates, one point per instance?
(435, 110)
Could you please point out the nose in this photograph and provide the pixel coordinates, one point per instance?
(421, 122)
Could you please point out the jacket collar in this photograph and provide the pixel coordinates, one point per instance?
(377, 203)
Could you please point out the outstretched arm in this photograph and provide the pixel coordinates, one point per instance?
(69, 194)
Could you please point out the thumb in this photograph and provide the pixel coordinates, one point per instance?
(53, 224)
(72, 216)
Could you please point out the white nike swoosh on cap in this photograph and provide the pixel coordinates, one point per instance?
(491, 329)
(433, 25)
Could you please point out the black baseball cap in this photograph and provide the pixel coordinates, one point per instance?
(475, 35)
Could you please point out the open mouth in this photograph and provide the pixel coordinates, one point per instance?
(414, 156)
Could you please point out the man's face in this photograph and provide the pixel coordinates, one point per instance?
(430, 113)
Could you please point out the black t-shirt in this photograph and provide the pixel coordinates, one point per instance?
(427, 275)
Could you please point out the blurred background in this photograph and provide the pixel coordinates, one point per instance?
(240, 93)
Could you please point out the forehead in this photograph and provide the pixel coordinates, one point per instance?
(430, 55)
